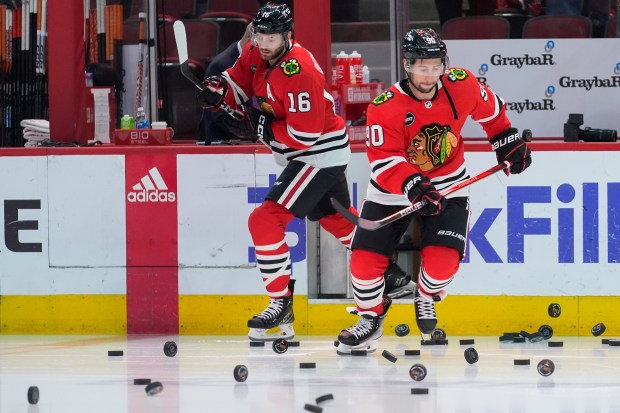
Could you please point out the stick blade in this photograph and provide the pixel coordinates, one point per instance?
(181, 40)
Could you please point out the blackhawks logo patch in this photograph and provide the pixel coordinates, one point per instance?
(290, 67)
(455, 74)
(382, 98)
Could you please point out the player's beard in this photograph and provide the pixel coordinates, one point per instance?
(424, 89)
(271, 55)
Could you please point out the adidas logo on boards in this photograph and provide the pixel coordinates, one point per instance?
(151, 188)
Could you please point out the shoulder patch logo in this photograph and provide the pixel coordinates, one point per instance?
(290, 67)
(455, 74)
(382, 98)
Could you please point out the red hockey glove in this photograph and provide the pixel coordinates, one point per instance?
(509, 146)
(419, 188)
(215, 88)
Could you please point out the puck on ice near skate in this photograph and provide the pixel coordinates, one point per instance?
(614, 343)
(536, 337)
(471, 355)
(389, 356)
(598, 329)
(512, 334)
(546, 331)
(313, 408)
(522, 362)
(401, 330)
(518, 339)
(554, 310)
(604, 341)
(33, 395)
(545, 367)
(115, 353)
(324, 398)
(412, 352)
(306, 365)
(170, 348)
(556, 344)
(439, 334)
(293, 343)
(417, 372)
(154, 388)
(467, 342)
(141, 382)
(434, 342)
(421, 390)
(240, 373)
(257, 344)
(361, 353)
(280, 345)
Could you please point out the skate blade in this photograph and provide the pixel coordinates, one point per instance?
(284, 331)
(345, 349)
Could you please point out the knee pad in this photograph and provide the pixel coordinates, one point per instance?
(367, 265)
(439, 263)
(268, 222)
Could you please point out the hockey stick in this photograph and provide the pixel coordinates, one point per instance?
(181, 40)
(370, 225)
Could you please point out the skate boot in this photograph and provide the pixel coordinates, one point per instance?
(279, 313)
(425, 312)
(398, 284)
(365, 334)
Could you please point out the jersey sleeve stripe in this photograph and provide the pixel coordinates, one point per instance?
(499, 103)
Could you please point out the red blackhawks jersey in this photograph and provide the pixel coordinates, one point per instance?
(405, 135)
(305, 125)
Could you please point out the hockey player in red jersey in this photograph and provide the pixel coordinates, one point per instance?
(415, 150)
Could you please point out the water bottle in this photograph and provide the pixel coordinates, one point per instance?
(140, 120)
(127, 122)
(89, 79)
(365, 74)
(342, 68)
(355, 60)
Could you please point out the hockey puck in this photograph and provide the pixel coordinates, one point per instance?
(467, 342)
(536, 337)
(33, 395)
(522, 362)
(556, 344)
(416, 390)
(614, 343)
(438, 334)
(598, 329)
(545, 367)
(471, 355)
(412, 352)
(417, 372)
(307, 365)
(604, 341)
(293, 343)
(280, 345)
(546, 331)
(313, 408)
(240, 373)
(434, 342)
(257, 344)
(324, 398)
(389, 356)
(506, 338)
(554, 310)
(359, 353)
(154, 388)
(518, 339)
(401, 330)
(115, 353)
(170, 348)
(511, 334)
(141, 382)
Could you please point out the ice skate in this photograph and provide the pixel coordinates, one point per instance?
(426, 317)
(398, 284)
(275, 321)
(365, 334)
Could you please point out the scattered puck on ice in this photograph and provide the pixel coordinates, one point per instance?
(402, 330)
(170, 348)
(307, 365)
(115, 353)
(614, 343)
(518, 339)
(556, 344)
(545, 367)
(141, 382)
(280, 345)
(154, 388)
(257, 344)
(512, 334)
(471, 355)
(412, 352)
(598, 329)
(467, 342)
(554, 310)
(536, 337)
(546, 331)
(438, 334)
(359, 353)
(33, 395)
(604, 341)
(435, 342)
(417, 372)
(240, 373)
(313, 408)
(506, 338)
(416, 390)
(522, 362)
(389, 356)
(293, 343)
(324, 398)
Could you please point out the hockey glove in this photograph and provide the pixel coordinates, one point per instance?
(215, 88)
(419, 188)
(509, 146)
(254, 126)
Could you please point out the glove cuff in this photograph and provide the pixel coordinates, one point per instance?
(409, 183)
(505, 139)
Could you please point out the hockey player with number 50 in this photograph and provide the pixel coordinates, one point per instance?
(415, 150)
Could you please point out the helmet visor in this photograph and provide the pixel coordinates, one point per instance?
(423, 68)
(267, 41)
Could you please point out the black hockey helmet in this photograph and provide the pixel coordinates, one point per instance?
(273, 18)
(423, 44)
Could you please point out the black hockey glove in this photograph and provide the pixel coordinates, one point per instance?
(215, 88)
(419, 188)
(509, 146)
(254, 126)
